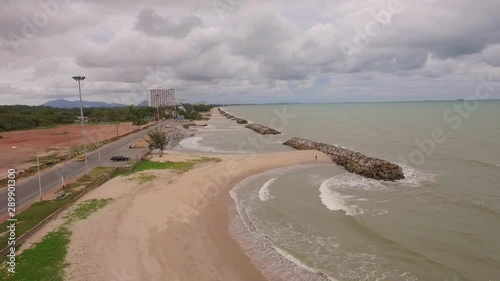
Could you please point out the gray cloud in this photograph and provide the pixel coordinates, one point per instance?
(152, 23)
(255, 51)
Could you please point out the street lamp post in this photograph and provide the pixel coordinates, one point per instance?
(79, 79)
(99, 153)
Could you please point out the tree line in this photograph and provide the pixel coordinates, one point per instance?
(23, 117)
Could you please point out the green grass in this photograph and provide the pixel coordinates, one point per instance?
(93, 175)
(100, 171)
(46, 259)
(48, 158)
(32, 216)
(143, 178)
(37, 212)
(145, 165)
(86, 208)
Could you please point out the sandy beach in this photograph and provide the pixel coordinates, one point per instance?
(172, 228)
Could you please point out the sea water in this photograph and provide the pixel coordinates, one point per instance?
(319, 222)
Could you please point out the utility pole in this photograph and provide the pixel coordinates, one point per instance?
(79, 79)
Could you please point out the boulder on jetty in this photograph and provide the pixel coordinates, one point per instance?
(352, 161)
(231, 117)
(222, 112)
(263, 130)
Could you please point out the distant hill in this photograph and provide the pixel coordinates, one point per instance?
(144, 103)
(62, 103)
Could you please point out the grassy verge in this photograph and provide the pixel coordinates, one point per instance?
(37, 212)
(32, 216)
(93, 175)
(145, 165)
(46, 259)
(48, 158)
(86, 208)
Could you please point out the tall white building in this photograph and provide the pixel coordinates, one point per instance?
(161, 97)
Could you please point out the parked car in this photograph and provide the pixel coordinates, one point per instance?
(120, 158)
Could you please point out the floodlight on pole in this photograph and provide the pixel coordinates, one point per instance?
(79, 79)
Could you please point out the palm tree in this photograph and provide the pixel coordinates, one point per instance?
(157, 140)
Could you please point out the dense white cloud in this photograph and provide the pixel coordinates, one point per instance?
(247, 51)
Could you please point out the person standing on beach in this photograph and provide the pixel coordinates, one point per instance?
(316, 157)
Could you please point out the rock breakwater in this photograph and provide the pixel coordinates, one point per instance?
(352, 161)
(261, 129)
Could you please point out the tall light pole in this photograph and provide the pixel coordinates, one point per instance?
(99, 153)
(79, 79)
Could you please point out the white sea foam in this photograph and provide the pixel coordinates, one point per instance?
(264, 190)
(315, 179)
(335, 201)
(353, 181)
(274, 263)
(277, 172)
(272, 246)
(194, 143)
(414, 177)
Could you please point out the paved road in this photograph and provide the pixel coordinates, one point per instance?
(27, 191)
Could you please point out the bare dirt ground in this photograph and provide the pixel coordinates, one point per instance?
(53, 141)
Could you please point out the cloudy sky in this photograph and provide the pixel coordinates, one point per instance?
(248, 50)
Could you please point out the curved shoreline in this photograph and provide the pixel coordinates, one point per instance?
(218, 209)
(175, 227)
(260, 249)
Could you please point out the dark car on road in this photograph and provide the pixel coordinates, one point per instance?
(120, 158)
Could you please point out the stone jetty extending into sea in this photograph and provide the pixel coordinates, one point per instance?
(352, 161)
(261, 129)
